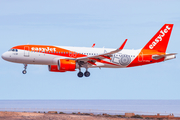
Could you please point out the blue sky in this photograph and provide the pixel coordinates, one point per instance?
(81, 23)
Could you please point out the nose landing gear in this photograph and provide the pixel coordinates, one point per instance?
(25, 67)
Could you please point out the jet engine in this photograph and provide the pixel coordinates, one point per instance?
(66, 65)
(54, 68)
(63, 65)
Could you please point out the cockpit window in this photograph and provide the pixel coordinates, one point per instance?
(14, 50)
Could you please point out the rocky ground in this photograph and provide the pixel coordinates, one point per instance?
(47, 116)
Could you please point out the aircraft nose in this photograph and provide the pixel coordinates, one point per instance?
(4, 56)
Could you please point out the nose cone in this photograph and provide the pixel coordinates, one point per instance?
(4, 56)
(7, 56)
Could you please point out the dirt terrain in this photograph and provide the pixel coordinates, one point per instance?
(46, 116)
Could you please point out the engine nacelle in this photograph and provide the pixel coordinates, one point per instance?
(66, 65)
(63, 65)
(54, 68)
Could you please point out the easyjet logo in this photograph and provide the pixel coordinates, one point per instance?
(43, 49)
(159, 38)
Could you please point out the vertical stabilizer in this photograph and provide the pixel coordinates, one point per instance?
(160, 40)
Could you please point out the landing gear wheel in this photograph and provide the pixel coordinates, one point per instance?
(87, 74)
(80, 74)
(25, 67)
(24, 71)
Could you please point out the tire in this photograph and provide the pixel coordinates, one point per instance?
(87, 74)
(80, 74)
(24, 71)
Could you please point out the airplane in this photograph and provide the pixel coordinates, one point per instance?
(63, 58)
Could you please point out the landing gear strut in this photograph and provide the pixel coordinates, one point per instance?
(25, 67)
(87, 73)
(80, 74)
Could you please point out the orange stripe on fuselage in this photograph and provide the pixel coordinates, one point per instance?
(145, 57)
(52, 50)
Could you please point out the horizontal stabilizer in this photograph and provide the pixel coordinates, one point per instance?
(156, 57)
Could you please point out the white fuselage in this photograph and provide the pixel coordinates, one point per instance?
(42, 58)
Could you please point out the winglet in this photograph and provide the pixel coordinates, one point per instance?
(93, 45)
(122, 46)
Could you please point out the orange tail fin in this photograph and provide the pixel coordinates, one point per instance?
(160, 40)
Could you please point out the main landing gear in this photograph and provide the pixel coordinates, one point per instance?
(86, 74)
(80, 74)
(25, 67)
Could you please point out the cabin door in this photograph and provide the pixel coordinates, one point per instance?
(26, 51)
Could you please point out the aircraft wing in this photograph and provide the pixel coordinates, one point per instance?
(93, 59)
